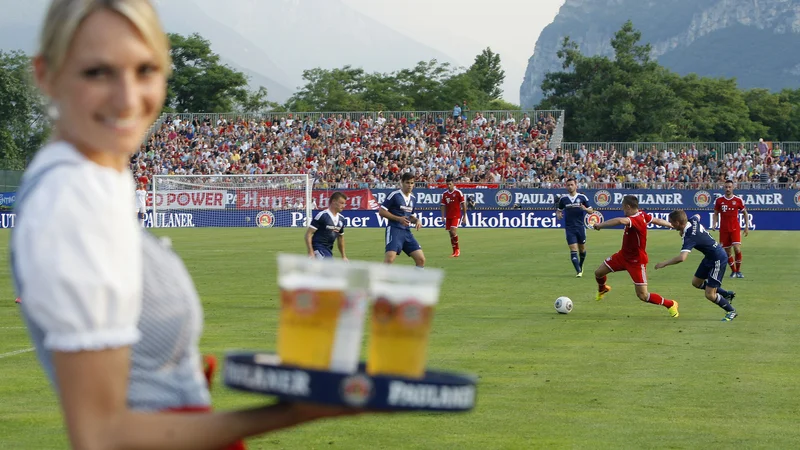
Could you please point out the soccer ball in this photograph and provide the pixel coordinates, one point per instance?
(563, 305)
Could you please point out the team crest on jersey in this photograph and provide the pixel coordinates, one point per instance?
(797, 198)
(503, 198)
(265, 219)
(702, 198)
(602, 198)
(591, 219)
(356, 390)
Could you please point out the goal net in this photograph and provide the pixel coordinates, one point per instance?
(265, 201)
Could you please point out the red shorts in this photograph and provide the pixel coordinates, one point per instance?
(637, 271)
(452, 222)
(729, 238)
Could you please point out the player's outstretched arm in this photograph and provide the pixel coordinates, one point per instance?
(676, 260)
(309, 234)
(417, 223)
(612, 223)
(746, 221)
(661, 222)
(340, 244)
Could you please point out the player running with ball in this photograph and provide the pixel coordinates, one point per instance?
(711, 270)
(633, 255)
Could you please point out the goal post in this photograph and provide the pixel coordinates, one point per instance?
(264, 201)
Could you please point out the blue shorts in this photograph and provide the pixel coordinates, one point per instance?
(399, 240)
(576, 235)
(712, 270)
(322, 253)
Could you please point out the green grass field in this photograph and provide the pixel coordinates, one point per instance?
(615, 374)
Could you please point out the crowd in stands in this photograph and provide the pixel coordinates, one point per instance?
(374, 151)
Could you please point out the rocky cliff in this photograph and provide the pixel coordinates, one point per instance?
(756, 41)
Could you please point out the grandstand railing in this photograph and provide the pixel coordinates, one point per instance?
(713, 185)
(718, 149)
(500, 115)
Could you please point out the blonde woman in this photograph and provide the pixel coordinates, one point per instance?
(112, 312)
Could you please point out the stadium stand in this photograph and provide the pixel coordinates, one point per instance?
(511, 148)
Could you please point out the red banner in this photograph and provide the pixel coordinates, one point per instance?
(202, 199)
(464, 186)
(257, 199)
(264, 199)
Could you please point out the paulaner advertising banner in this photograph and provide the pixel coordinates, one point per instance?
(512, 218)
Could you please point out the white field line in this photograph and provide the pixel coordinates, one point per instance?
(17, 352)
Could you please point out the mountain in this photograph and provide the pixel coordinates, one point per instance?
(755, 41)
(272, 41)
(304, 34)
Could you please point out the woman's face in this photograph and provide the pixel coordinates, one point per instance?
(109, 89)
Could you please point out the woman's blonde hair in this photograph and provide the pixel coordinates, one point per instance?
(65, 16)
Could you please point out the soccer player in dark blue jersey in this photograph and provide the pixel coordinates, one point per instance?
(711, 270)
(398, 209)
(573, 208)
(325, 228)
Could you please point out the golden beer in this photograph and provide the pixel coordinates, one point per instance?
(307, 327)
(402, 311)
(323, 304)
(399, 332)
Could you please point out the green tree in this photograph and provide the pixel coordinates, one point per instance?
(774, 111)
(382, 93)
(330, 90)
(632, 97)
(714, 109)
(623, 98)
(423, 84)
(501, 105)
(23, 124)
(200, 83)
(488, 73)
(256, 102)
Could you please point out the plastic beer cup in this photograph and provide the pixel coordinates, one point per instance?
(323, 303)
(402, 303)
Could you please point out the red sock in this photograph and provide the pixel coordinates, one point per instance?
(659, 300)
(454, 242)
(738, 262)
(732, 263)
(601, 282)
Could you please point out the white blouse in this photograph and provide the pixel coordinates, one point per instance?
(78, 252)
(91, 278)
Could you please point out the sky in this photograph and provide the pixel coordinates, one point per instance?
(462, 28)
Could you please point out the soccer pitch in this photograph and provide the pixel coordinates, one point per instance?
(613, 374)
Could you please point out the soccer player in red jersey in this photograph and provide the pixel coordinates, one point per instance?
(727, 209)
(633, 255)
(454, 209)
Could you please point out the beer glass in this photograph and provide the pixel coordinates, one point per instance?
(402, 301)
(323, 303)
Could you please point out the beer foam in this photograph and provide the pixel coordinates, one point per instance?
(398, 293)
(315, 282)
